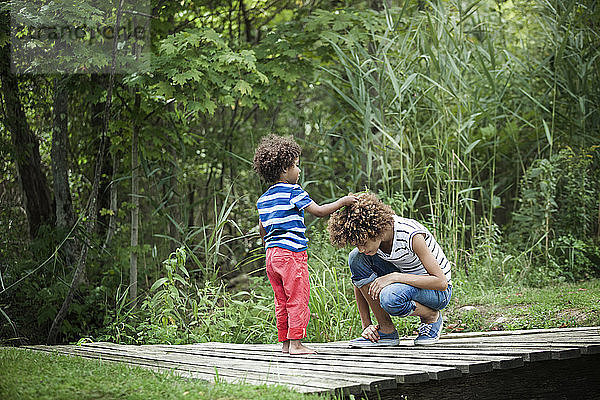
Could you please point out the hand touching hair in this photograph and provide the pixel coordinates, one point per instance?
(365, 219)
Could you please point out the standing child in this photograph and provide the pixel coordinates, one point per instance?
(281, 223)
(397, 267)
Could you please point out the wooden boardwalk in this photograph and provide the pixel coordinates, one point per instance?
(337, 368)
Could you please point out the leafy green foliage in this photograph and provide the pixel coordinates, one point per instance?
(33, 292)
(577, 192)
(178, 310)
(558, 208)
(532, 221)
(71, 38)
(479, 120)
(216, 74)
(169, 294)
(576, 258)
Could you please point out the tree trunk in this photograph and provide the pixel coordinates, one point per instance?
(62, 194)
(79, 274)
(191, 205)
(174, 210)
(60, 169)
(92, 207)
(135, 199)
(112, 220)
(97, 121)
(26, 153)
(104, 190)
(247, 23)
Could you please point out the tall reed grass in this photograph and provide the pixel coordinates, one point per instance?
(444, 107)
(445, 110)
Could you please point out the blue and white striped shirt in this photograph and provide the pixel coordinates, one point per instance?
(281, 212)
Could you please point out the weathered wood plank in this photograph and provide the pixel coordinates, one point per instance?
(556, 352)
(590, 329)
(337, 368)
(254, 362)
(208, 376)
(456, 352)
(553, 338)
(468, 364)
(589, 332)
(527, 351)
(367, 382)
(308, 363)
(209, 373)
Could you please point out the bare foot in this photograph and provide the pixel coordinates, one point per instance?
(297, 348)
(286, 347)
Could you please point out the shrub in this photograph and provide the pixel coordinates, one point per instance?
(558, 206)
(178, 310)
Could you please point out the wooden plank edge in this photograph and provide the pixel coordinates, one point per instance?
(416, 369)
(595, 329)
(433, 351)
(225, 373)
(466, 366)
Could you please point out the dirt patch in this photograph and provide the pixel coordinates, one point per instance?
(574, 316)
(487, 317)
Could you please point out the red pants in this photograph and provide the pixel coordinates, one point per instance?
(288, 273)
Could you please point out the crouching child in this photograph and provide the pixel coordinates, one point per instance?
(398, 269)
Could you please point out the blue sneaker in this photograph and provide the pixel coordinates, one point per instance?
(385, 340)
(430, 333)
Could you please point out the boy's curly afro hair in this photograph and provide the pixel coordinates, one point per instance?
(366, 219)
(273, 155)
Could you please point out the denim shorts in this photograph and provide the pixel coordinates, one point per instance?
(396, 299)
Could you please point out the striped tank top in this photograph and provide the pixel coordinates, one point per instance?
(402, 254)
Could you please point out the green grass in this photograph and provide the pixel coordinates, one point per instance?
(480, 309)
(26, 374)
(509, 308)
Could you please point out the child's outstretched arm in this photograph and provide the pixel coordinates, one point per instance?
(330, 208)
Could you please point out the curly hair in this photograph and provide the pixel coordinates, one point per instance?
(366, 219)
(273, 155)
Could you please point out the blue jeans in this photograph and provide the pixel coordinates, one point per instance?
(397, 299)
